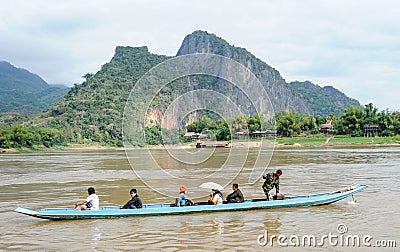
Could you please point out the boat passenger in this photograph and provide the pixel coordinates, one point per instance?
(134, 202)
(271, 181)
(182, 200)
(215, 197)
(236, 196)
(90, 203)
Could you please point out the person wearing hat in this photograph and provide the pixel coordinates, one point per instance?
(182, 200)
(271, 181)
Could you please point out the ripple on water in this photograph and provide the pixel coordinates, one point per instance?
(60, 179)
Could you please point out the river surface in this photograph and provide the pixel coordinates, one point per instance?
(59, 179)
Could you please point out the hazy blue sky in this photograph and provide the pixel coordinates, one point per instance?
(351, 45)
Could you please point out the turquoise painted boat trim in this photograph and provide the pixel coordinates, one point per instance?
(164, 209)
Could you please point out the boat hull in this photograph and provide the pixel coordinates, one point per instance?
(165, 209)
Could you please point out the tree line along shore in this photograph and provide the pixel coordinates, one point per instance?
(357, 126)
(314, 141)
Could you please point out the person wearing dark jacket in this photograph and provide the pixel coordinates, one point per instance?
(236, 196)
(133, 203)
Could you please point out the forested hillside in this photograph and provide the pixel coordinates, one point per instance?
(323, 100)
(24, 92)
(93, 110)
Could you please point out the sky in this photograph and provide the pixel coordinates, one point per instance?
(351, 45)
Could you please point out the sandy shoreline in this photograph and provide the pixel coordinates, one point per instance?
(244, 145)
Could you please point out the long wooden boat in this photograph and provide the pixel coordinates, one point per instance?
(199, 207)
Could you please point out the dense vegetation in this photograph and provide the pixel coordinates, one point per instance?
(351, 123)
(92, 111)
(18, 135)
(217, 129)
(213, 128)
(288, 124)
(323, 100)
(25, 92)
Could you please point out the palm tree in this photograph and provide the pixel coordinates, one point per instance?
(371, 114)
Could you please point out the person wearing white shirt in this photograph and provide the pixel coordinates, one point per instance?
(90, 203)
(215, 197)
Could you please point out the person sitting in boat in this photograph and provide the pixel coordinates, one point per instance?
(90, 203)
(134, 202)
(271, 181)
(182, 200)
(215, 197)
(236, 196)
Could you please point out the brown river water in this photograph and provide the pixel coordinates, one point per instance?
(59, 179)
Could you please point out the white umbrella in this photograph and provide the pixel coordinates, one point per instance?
(211, 185)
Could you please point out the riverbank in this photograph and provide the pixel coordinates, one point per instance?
(281, 142)
(336, 141)
(68, 147)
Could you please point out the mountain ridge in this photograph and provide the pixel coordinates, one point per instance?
(93, 110)
(25, 92)
(323, 100)
(12, 77)
(281, 95)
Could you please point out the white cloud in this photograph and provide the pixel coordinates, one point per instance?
(351, 45)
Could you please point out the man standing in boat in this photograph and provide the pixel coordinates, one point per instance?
(134, 202)
(271, 181)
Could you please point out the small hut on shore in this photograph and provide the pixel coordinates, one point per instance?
(326, 128)
(193, 136)
(263, 133)
(371, 130)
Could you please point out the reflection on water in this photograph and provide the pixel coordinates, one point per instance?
(61, 178)
(272, 224)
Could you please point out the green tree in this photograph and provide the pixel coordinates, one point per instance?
(255, 123)
(22, 136)
(222, 133)
(49, 137)
(288, 123)
(308, 124)
(387, 123)
(153, 135)
(353, 120)
(319, 120)
(396, 116)
(371, 114)
(239, 123)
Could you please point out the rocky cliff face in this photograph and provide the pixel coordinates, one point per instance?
(282, 96)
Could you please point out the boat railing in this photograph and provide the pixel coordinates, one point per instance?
(158, 205)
